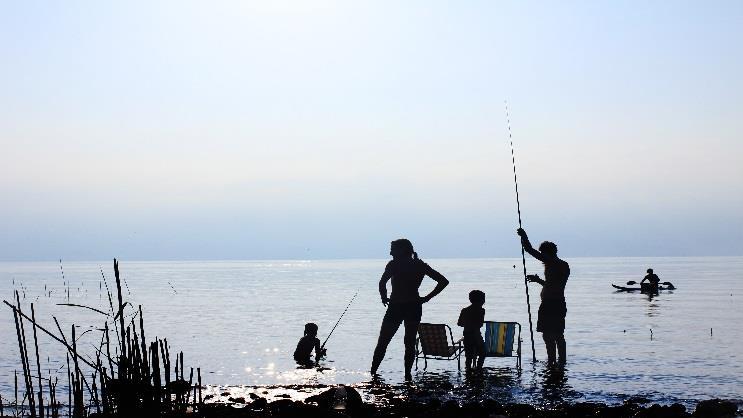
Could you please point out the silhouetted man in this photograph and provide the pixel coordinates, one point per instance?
(552, 310)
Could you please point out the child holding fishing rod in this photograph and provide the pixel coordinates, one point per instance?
(552, 310)
(308, 343)
(406, 271)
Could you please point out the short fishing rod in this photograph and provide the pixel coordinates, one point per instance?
(518, 210)
(339, 319)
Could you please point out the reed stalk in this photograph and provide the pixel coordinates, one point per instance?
(38, 363)
(24, 359)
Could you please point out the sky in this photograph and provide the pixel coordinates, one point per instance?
(191, 130)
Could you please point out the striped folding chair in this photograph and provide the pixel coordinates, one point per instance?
(500, 338)
(432, 343)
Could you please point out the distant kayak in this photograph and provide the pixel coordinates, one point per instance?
(644, 288)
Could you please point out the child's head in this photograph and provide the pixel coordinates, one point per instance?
(477, 297)
(310, 329)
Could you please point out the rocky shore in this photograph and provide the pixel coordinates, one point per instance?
(345, 401)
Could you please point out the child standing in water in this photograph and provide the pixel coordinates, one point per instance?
(471, 319)
(306, 344)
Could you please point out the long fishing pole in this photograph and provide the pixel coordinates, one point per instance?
(523, 256)
(339, 319)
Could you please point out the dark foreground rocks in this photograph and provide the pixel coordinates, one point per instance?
(346, 402)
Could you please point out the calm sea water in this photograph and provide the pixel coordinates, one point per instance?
(240, 321)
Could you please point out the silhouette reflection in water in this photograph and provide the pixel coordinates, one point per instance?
(555, 386)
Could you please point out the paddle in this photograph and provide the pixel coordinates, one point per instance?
(631, 282)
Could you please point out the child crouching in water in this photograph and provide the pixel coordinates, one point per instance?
(472, 319)
(306, 344)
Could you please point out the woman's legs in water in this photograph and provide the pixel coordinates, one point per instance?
(411, 330)
(390, 324)
(555, 344)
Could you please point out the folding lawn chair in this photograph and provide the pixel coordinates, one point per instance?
(500, 338)
(432, 343)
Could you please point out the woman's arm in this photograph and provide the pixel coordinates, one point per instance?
(441, 283)
(386, 276)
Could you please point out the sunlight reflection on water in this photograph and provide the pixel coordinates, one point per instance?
(240, 322)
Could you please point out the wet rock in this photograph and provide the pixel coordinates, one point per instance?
(219, 410)
(259, 403)
(619, 411)
(450, 408)
(338, 398)
(239, 400)
(207, 397)
(285, 407)
(517, 410)
(492, 406)
(284, 395)
(474, 410)
(663, 411)
(715, 408)
(414, 409)
(225, 394)
(253, 396)
(584, 409)
(638, 400)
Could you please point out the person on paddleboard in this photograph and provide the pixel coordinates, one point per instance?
(406, 271)
(552, 310)
(652, 279)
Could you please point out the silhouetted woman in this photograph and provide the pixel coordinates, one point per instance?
(552, 310)
(406, 271)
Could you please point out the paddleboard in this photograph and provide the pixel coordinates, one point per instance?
(639, 289)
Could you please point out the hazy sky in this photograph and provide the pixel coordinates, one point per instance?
(324, 129)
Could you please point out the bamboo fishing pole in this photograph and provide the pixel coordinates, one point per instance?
(523, 256)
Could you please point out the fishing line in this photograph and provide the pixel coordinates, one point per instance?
(518, 210)
(339, 319)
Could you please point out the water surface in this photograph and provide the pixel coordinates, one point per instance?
(240, 321)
